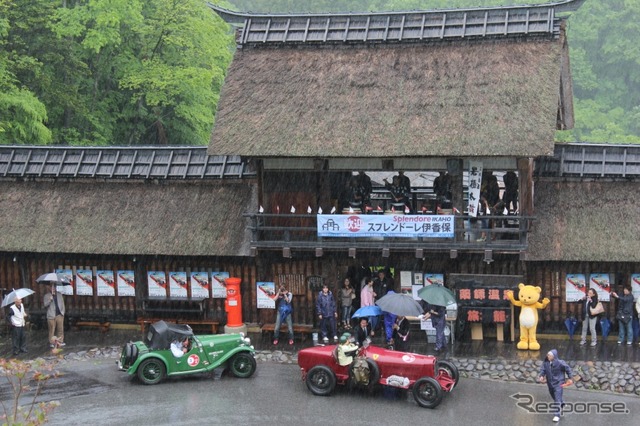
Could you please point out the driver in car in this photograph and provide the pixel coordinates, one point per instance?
(346, 349)
(180, 347)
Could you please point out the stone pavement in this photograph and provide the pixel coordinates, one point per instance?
(608, 367)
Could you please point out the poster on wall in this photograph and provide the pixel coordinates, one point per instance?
(218, 287)
(178, 285)
(106, 283)
(414, 291)
(126, 283)
(601, 283)
(66, 289)
(635, 286)
(433, 279)
(266, 294)
(406, 281)
(157, 282)
(576, 287)
(199, 285)
(84, 282)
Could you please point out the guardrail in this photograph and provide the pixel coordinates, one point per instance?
(299, 231)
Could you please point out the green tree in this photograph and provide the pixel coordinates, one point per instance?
(22, 115)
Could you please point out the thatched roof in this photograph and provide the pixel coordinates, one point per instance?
(186, 218)
(586, 221)
(486, 98)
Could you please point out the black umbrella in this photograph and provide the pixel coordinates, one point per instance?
(53, 278)
(399, 304)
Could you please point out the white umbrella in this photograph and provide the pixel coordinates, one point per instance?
(20, 293)
(53, 278)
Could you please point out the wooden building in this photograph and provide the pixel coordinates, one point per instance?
(308, 101)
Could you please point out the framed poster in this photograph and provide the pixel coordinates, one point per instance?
(433, 279)
(635, 285)
(126, 282)
(200, 285)
(84, 282)
(576, 287)
(406, 281)
(157, 282)
(66, 289)
(178, 285)
(218, 287)
(601, 283)
(266, 295)
(106, 284)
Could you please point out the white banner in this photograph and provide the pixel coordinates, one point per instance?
(576, 287)
(200, 285)
(635, 285)
(373, 225)
(84, 282)
(178, 284)
(601, 283)
(475, 181)
(126, 283)
(106, 283)
(266, 295)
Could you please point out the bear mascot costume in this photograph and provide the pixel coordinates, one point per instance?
(528, 302)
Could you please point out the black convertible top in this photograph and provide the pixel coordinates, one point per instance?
(161, 334)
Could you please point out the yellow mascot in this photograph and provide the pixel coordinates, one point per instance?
(528, 297)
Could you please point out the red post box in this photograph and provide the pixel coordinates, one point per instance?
(233, 304)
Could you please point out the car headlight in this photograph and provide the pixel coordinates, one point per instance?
(247, 341)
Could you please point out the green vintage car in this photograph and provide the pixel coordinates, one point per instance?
(152, 360)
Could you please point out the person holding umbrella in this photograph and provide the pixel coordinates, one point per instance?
(54, 303)
(18, 315)
(435, 298)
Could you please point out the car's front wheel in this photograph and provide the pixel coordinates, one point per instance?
(151, 371)
(427, 392)
(450, 368)
(243, 365)
(321, 381)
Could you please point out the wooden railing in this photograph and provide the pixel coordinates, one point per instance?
(299, 231)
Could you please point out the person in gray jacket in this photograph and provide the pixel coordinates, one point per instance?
(54, 302)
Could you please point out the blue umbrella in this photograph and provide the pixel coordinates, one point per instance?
(571, 323)
(367, 311)
(605, 325)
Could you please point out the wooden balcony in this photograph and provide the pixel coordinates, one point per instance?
(504, 234)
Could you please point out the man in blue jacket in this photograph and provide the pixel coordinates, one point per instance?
(553, 373)
(327, 313)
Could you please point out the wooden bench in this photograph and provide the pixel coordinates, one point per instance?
(212, 325)
(102, 326)
(303, 329)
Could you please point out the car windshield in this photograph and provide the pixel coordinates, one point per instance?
(161, 334)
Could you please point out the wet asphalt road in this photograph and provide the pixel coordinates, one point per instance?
(95, 393)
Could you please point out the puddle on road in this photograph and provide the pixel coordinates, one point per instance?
(67, 385)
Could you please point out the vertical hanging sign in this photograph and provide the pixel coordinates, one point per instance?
(475, 180)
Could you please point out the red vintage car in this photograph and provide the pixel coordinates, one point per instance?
(427, 377)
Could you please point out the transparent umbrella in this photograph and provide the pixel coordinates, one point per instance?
(53, 278)
(20, 293)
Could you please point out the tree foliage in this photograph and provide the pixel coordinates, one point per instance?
(121, 72)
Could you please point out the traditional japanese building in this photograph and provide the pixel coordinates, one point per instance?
(310, 100)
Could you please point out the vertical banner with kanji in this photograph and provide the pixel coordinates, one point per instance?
(266, 295)
(200, 285)
(106, 285)
(601, 283)
(218, 287)
(126, 283)
(84, 282)
(475, 180)
(178, 285)
(66, 289)
(576, 287)
(157, 282)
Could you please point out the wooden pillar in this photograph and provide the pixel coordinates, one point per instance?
(454, 168)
